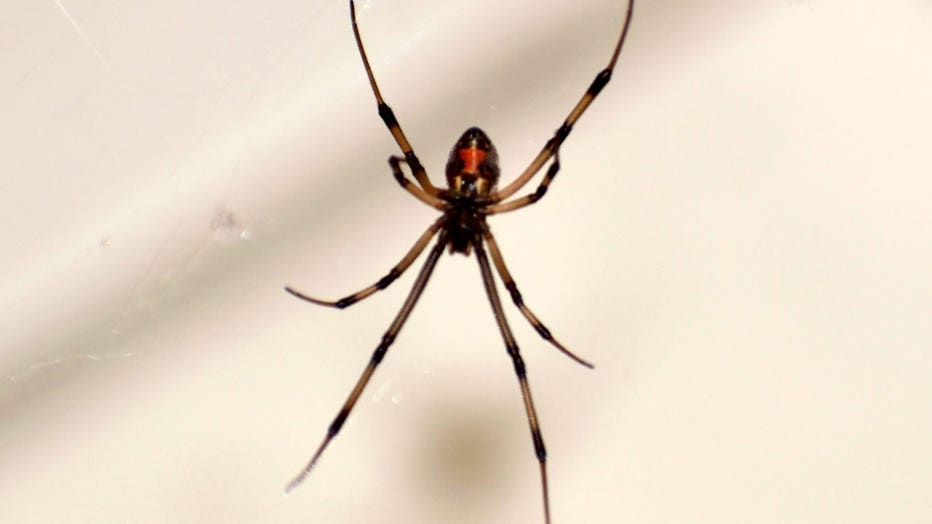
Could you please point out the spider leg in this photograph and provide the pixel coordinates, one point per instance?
(383, 282)
(377, 357)
(520, 370)
(512, 288)
(552, 145)
(410, 187)
(388, 116)
(518, 203)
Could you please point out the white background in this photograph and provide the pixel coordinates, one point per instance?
(739, 239)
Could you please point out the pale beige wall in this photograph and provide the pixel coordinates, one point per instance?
(739, 239)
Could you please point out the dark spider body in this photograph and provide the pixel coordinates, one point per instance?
(471, 195)
(472, 169)
(472, 175)
(463, 225)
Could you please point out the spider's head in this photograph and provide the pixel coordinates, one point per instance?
(472, 169)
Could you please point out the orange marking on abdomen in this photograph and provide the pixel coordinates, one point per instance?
(471, 158)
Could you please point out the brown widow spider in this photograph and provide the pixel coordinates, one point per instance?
(471, 195)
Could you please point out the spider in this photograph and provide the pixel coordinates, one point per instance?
(470, 196)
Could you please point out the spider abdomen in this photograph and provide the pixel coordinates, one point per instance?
(472, 168)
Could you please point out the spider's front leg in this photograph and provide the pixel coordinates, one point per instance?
(387, 339)
(383, 282)
(518, 300)
(520, 370)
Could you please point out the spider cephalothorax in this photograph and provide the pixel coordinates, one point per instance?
(471, 195)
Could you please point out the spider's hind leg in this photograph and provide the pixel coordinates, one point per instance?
(418, 193)
(518, 203)
(388, 116)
